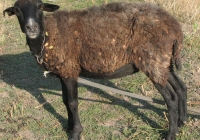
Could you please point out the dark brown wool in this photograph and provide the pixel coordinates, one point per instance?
(102, 39)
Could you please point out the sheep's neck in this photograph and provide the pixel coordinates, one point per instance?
(35, 44)
(36, 47)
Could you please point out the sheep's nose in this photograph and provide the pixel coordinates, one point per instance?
(31, 26)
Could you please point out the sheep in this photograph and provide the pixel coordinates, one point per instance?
(109, 41)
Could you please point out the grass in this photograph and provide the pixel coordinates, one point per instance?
(31, 105)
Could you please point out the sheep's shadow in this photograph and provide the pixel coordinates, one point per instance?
(22, 71)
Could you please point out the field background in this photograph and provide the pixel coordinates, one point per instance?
(31, 107)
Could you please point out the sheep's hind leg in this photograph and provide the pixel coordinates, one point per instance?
(180, 89)
(171, 100)
(70, 99)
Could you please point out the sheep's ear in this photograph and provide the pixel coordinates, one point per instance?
(49, 7)
(10, 11)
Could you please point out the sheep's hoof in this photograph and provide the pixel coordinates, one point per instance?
(182, 123)
(75, 134)
(171, 137)
(74, 137)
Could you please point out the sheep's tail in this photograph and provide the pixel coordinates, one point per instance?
(177, 54)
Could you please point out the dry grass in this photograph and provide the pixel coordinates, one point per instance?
(188, 11)
(3, 4)
(2, 29)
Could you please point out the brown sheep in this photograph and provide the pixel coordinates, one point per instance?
(109, 41)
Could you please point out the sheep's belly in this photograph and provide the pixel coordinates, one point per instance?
(121, 72)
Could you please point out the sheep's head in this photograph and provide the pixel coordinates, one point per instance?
(29, 14)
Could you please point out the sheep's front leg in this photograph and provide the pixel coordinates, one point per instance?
(70, 99)
(171, 100)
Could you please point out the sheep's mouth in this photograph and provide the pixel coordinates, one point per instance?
(32, 35)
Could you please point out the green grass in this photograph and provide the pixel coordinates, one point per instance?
(32, 108)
